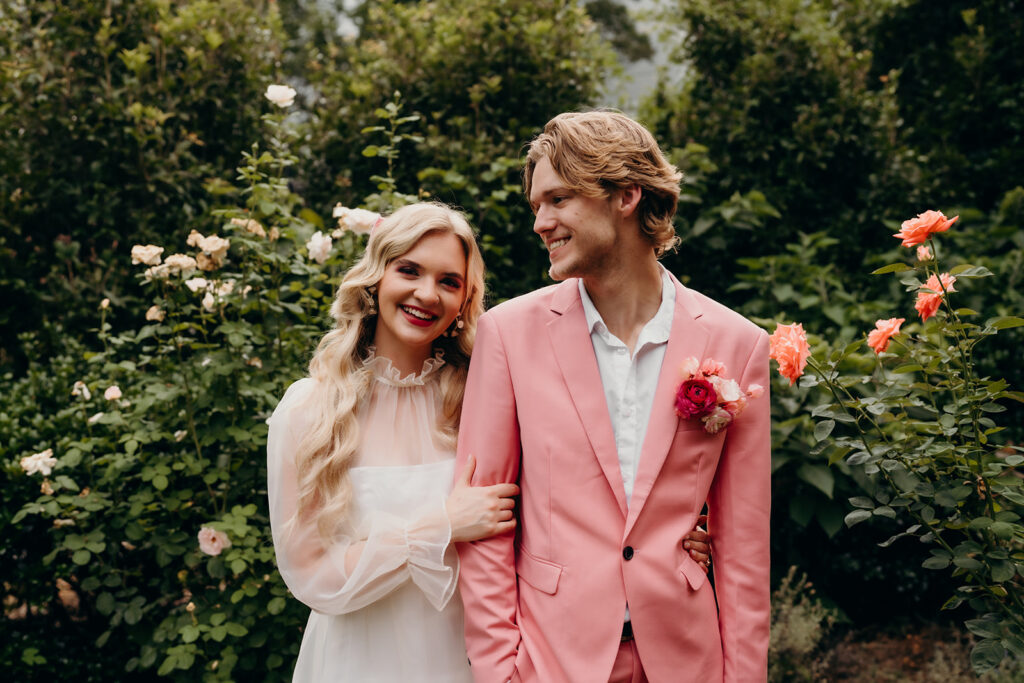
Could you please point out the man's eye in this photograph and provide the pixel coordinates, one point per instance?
(558, 200)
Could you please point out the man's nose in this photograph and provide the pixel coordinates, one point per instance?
(543, 220)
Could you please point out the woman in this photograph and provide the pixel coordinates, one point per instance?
(361, 458)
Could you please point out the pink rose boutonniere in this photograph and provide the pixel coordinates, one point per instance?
(706, 394)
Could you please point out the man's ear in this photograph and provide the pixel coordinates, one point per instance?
(629, 199)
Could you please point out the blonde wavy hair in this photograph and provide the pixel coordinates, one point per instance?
(598, 152)
(342, 380)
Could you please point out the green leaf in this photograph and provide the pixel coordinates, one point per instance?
(1004, 322)
(823, 429)
(858, 516)
(819, 476)
(862, 502)
(936, 563)
(986, 656)
(190, 633)
(892, 268)
(81, 557)
(275, 606)
(966, 270)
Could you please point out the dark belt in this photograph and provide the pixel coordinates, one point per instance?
(627, 632)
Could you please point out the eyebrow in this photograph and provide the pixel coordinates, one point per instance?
(413, 264)
(545, 194)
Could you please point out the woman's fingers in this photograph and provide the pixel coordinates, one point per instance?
(503, 490)
(466, 476)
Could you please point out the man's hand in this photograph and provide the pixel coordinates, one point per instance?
(698, 542)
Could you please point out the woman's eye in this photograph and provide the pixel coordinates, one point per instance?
(451, 282)
(406, 270)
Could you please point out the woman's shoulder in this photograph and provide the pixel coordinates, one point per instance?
(296, 394)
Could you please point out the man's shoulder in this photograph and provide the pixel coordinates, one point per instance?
(529, 304)
(717, 315)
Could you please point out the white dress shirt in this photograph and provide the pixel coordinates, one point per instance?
(630, 381)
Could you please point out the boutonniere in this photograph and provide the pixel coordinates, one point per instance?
(707, 395)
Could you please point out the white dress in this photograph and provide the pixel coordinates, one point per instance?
(396, 617)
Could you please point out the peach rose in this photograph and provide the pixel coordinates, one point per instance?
(689, 368)
(878, 338)
(710, 366)
(112, 393)
(929, 297)
(212, 542)
(788, 346)
(916, 230)
(924, 253)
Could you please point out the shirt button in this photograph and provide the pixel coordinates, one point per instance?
(627, 552)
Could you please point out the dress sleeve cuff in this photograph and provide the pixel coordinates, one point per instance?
(433, 562)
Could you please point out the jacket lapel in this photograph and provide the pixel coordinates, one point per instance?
(688, 337)
(574, 352)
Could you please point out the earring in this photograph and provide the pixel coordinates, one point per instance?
(457, 325)
(372, 292)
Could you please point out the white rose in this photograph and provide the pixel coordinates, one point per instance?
(105, 303)
(359, 221)
(39, 463)
(196, 284)
(281, 95)
(147, 255)
(79, 389)
(319, 246)
(112, 393)
(209, 301)
(180, 263)
(95, 418)
(155, 313)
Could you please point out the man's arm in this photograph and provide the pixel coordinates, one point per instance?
(739, 512)
(490, 431)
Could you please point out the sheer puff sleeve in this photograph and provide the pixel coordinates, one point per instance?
(376, 552)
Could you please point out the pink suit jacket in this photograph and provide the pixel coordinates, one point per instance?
(546, 604)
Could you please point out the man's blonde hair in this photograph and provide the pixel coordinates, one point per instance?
(596, 153)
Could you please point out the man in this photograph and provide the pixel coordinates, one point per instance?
(572, 391)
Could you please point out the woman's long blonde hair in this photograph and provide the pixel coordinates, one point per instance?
(325, 453)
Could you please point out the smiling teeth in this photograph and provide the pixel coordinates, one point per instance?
(557, 243)
(418, 314)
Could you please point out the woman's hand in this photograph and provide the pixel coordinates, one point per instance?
(476, 512)
(698, 542)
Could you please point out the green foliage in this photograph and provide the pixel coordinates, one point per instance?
(922, 423)
(178, 446)
(786, 105)
(799, 624)
(483, 77)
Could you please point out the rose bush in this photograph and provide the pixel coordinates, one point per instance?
(921, 422)
(148, 480)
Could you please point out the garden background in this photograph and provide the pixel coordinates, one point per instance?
(807, 131)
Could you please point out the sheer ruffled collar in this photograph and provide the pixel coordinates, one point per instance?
(385, 371)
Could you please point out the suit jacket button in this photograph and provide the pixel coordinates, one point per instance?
(627, 552)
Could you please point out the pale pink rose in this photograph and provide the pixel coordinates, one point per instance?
(281, 95)
(735, 407)
(878, 338)
(788, 346)
(929, 297)
(689, 368)
(80, 389)
(194, 238)
(112, 393)
(209, 301)
(319, 247)
(727, 389)
(180, 263)
(755, 391)
(710, 366)
(147, 255)
(155, 314)
(212, 542)
(916, 230)
(39, 463)
(45, 488)
(359, 221)
(924, 253)
(95, 418)
(105, 304)
(719, 419)
(197, 283)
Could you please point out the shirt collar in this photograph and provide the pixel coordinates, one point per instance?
(657, 328)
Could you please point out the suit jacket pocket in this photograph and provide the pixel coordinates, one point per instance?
(541, 574)
(695, 576)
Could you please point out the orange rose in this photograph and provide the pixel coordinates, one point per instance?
(930, 295)
(916, 230)
(878, 338)
(788, 346)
